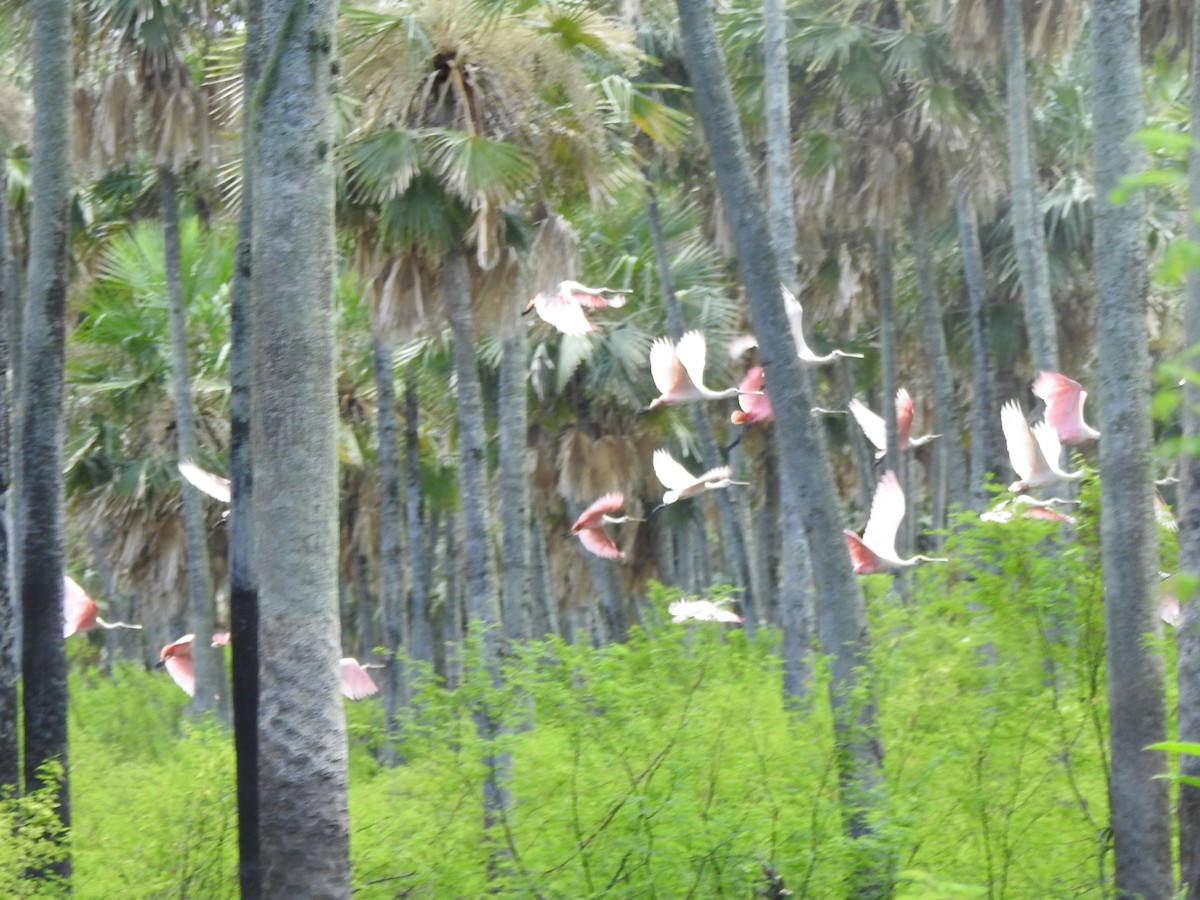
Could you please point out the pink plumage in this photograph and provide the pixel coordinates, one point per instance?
(356, 683)
(755, 404)
(590, 530)
(79, 610)
(1064, 400)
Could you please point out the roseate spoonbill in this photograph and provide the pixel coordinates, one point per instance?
(589, 527)
(1064, 399)
(678, 372)
(875, 551)
(702, 611)
(1163, 514)
(564, 309)
(875, 428)
(682, 484)
(1033, 452)
(754, 402)
(1030, 508)
(206, 482)
(80, 612)
(795, 315)
(176, 657)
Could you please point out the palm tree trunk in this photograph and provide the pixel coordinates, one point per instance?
(514, 485)
(732, 540)
(1139, 800)
(796, 602)
(420, 631)
(948, 478)
(1187, 633)
(1029, 237)
(207, 660)
(391, 563)
(483, 605)
(302, 734)
(841, 618)
(777, 111)
(983, 430)
(243, 588)
(10, 756)
(40, 409)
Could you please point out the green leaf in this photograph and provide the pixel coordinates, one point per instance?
(382, 165)
(480, 169)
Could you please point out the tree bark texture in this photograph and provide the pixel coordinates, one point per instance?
(10, 756)
(420, 630)
(1029, 233)
(1187, 633)
(40, 407)
(1137, 715)
(207, 661)
(779, 140)
(512, 427)
(841, 618)
(302, 736)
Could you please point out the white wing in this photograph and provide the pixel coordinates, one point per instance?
(671, 472)
(1023, 452)
(691, 351)
(887, 510)
(871, 423)
(213, 485)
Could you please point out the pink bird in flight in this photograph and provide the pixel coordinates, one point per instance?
(1064, 398)
(875, 551)
(80, 613)
(1033, 452)
(590, 530)
(678, 372)
(564, 309)
(875, 428)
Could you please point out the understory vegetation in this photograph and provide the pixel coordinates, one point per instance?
(669, 765)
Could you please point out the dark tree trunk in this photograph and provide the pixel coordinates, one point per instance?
(10, 756)
(243, 588)
(1139, 801)
(512, 430)
(420, 625)
(302, 736)
(1029, 234)
(983, 429)
(1187, 633)
(40, 409)
(391, 563)
(841, 618)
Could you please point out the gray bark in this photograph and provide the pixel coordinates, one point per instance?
(733, 542)
(391, 563)
(841, 618)
(207, 660)
(1029, 233)
(779, 140)
(1139, 803)
(1187, 632)
(40, 408)
(948, 477)
(796, 601)
(10, 767)
(512, 426)
(420, 628)
(302, 735)
(483, 606)
(983, 429)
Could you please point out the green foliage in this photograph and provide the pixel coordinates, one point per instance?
(669, 765)
(32, 837)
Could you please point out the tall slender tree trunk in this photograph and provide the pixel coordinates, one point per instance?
(10, 756)
(302, 734)
(983, 443)
(391, 563)
(1029, 233)
(732, 539)
(243, 588)
(1187, 633)
(1139, 802)
(777, 109)
(206, 659)
(512, 437)
(948, 478)
(841, 618)
(40, 408)
(483, 604)
(420, 630)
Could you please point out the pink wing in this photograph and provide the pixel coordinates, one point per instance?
(904, 416)
(177, 658)
(592, 298)
(596, 540)
(593, 516)
(79, 610)
(864, 559)
(1064, 399)
(356, 683)
(668, 372)
(755, 407)
(563, 313)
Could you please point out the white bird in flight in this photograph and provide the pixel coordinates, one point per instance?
(1033, 452)
(702, 611)
(875, 551)
(875, 428)
(682, 484)
(564, 309)
(678, 372)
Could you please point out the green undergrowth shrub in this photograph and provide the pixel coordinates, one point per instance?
(669, 766)
(31, 837)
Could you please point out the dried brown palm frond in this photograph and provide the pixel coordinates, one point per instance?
(113, 134)
(16, 109)
(553, 255)
(977, 30)
(496, 294)
(404, 293)
(1166, 25)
